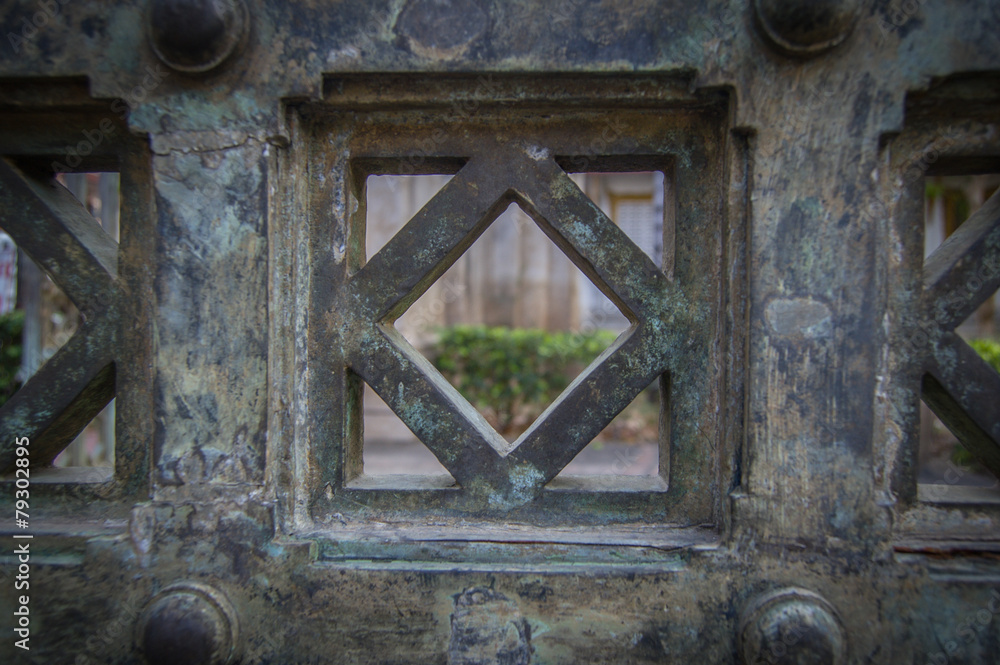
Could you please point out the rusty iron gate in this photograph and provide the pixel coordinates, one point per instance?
(794, 327)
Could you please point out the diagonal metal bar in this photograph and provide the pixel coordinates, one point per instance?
(964, 392)
(593, 242)
(964, 271)
(432, 408)
(432, 241)
(65, 394)
(588, 405)
(58, 233)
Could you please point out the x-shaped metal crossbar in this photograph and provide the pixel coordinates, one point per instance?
(958, 385)
(71, 388)
(480, 460)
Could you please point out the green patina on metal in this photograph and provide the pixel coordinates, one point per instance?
(795, 330)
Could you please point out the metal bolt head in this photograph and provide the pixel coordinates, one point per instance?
(188, 623)
(792, 627)
(806, 28)
(196, 35)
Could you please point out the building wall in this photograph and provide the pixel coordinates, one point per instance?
(513, 275)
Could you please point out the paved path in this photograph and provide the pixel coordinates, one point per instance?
(391, 448)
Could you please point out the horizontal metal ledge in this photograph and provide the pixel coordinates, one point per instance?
(402, 482)
(460, 553)
(958, 494)
(468, 540)
(609, 483)
(467, 92)
(69, 475)
(588, 568)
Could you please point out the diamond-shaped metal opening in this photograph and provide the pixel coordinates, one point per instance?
(673, 315)
(512, 323)
(943, 460)
(511, 298)
(37, 319)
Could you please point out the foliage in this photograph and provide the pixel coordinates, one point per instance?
(11, 325)
(954, 198)
(989, 351)
(511, 375)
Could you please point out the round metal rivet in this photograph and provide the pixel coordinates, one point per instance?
(792, 627)
(190, 623)
(806, 27)
(196, 35)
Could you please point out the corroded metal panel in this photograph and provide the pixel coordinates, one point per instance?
(676, 329)
(235, 321)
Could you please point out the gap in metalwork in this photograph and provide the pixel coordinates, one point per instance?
(513, 321)
(948, 202)
(390, 448)
(391, 200)
(37, 318)
(633, 444)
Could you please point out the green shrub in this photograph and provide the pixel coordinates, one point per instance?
(989, 350)
(11, 325)
(511, 375)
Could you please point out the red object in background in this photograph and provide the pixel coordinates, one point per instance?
(8, 273)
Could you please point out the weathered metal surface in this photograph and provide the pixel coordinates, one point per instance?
(803, 28)
(196, 35)
(111, 349)
(210, 370)
(49, 223)
(792, 626)
(486, 627)
(961, 388)
(233, 400)
(189, 623)
(676, 321)
(926, 298)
